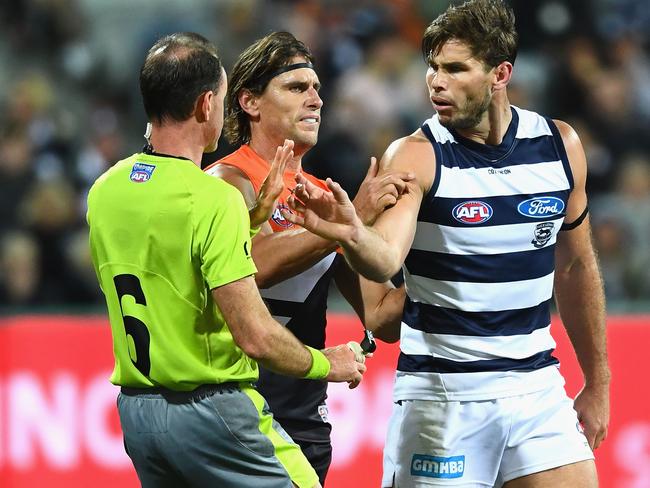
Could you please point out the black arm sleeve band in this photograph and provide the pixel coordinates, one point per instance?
(576, 222)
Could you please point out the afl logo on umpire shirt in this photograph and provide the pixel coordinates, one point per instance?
(472, 212)
(141, 172)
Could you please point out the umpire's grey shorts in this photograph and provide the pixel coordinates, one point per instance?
(216, 436)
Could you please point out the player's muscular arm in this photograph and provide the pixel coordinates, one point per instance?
(277, 255)
(271, 344)
(396, 226)
(580, 299)
(378, 305)
(378, 252)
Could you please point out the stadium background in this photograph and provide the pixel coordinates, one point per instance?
(69, 107)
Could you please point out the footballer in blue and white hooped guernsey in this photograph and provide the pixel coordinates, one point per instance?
(487, 226)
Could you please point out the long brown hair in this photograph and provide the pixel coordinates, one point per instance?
(253, 71)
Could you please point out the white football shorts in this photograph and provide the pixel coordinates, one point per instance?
(481, 443)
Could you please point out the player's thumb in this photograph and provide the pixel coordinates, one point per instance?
(373, 169)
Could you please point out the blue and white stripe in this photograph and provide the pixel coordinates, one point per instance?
(476, 324)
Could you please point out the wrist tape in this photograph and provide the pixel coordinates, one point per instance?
(320, 365)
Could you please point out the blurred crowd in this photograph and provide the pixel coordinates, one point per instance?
(70, 107)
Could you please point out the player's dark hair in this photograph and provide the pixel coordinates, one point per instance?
(177, 70)
(253, 71)
(487, 27)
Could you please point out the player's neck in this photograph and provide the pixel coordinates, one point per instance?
(493, 126)
(179, 140)
(266, 149)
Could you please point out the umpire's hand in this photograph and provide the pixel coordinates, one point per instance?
(344, 366)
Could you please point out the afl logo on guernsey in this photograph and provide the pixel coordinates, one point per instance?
(141, 173)
(278, 218)
(541, 207)
(472, 212)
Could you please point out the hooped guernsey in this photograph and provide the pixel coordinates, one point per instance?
(162, 235)
(479, 274)
(299, 303)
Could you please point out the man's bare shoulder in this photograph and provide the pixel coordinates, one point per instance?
(412, 153)
(417, 141)
(225, 171)
(568, 134)
(575, 151)
(236, 177)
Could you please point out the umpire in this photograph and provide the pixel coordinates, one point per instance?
(171, 249)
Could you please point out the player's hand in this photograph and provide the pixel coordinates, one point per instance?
(329, 215)
(592, 406)
(359, 354)
(344, 366)
(272, 186)
(359, 357)
(377, 193)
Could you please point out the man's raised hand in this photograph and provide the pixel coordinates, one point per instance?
(329, 215)
(272, 186)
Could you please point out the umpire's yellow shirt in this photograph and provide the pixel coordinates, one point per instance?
(162, 235)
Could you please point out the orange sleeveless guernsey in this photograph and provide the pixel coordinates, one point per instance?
(256, 169)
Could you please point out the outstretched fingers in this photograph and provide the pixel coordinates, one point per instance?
(339, 193)
(279, 164)
(283, 155)
(302, 192)
(294, 218)
(295, 204)
(272, 185)
(307, 186)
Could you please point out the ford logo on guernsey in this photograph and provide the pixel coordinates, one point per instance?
(541, 207)
(472, 212)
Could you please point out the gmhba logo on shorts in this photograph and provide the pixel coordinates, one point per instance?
(438, 467)
(472, 212)
(541, 207)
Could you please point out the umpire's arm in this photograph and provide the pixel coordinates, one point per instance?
(271, 344)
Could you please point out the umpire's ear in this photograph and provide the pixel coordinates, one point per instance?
(204, 109)
(249, 103)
